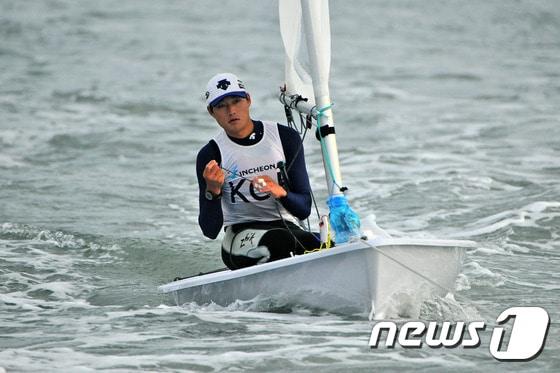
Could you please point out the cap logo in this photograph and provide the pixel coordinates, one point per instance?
(223, 84)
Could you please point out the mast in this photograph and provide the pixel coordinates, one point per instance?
(305, 29)
(316, 24)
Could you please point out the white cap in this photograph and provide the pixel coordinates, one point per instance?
(222, 85)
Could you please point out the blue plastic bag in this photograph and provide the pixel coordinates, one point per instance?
(344, 221)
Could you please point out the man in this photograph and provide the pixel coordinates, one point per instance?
(253, 180)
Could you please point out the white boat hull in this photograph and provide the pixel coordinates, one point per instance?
(379, 276)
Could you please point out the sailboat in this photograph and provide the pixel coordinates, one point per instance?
(367, 272)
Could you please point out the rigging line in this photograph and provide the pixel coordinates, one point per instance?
(429, 280)
(315, 204)
(286, 225)
(277, 210)
(324, 149)
(311, 192)
(300, 147)
(289, 166)
(200, 274)
(320, 113)
(284, 172)
(276, 205)
(406, 267)
(277, 202)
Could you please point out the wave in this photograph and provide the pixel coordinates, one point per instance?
(526, 216)
(46, 269)
(7, 161)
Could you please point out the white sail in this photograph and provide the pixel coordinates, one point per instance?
(297, 75)
(305, 29)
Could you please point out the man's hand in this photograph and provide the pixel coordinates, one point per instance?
(214, 177)
(265, 184)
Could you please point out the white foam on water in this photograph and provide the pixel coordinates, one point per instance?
(251, 337)
(425, 359)
(58, 289)
(526, 216)
(481, 276)
(495, 250)
(7, 161)
(160, 310)
(450, 308)
(46, 272)
(392, 92)
(462, 282)
(20, 302)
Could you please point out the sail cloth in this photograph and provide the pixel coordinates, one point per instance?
(306, 34)
(305, 30)
(298, 68)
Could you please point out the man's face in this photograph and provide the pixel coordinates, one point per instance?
(232, 114)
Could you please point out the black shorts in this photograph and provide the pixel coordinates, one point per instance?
(282, 239)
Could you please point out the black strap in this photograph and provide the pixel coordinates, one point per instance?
(325, 131)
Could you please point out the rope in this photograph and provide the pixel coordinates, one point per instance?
(324, 245)
(407, 267)
(429, 280)
(303, 133)
(324, 149)
(277, 205)
(286, 225)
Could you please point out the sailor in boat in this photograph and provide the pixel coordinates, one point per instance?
(252, 180)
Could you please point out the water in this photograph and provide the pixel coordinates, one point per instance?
(448, 128)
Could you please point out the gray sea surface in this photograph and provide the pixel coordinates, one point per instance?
(448, 126)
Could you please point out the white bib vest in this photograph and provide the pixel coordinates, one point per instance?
(241, 202)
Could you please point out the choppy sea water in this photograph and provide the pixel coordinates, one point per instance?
(448, 127)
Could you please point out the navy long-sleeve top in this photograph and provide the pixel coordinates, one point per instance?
(298, 199)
